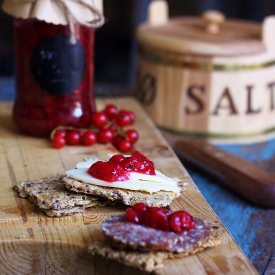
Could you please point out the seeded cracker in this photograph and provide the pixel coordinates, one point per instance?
(191, 243)
(51, 196)
(127, 197)
(63, 212)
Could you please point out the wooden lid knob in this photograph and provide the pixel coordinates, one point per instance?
(213, 19)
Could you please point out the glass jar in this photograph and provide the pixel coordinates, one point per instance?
(54, 76)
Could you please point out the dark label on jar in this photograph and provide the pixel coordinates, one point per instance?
(57, 65)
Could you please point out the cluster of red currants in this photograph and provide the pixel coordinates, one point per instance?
(107, 127)
(160, 218)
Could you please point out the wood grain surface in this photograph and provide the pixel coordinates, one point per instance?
(32, 243)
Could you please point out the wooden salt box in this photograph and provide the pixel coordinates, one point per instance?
(207, 76)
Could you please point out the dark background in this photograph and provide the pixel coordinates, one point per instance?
(115, 58)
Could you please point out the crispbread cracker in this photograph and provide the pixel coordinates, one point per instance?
(63, 212)
(19, 188)
(70, 211)
(143, 261)
(50, 193)
(51, 196)
(127, 197)
(149, 261)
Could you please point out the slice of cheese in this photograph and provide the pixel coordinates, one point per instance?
(137, 181)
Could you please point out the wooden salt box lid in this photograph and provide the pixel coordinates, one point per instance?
(210, 34)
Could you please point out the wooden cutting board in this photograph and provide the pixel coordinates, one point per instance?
(31, 243)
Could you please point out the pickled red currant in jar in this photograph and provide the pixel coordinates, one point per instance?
(54, 65)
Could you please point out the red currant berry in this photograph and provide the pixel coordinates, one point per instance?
(123, 118)
(58, 142)
(132, 135)
(140, 207)
(111, 111)
(99, 119)
(155, 209)
(158, 218)
(88, 138)
(174, 222)
(116, 140)
(116, 159)
(145, 218)
(107, 171)
(167, 211)
(104, 136)
(186, 220)
(131, 215)
(125, 146)
(132, 116)
(60, 133)
(73, 138)
(113, 128)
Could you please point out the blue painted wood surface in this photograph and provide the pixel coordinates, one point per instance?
(252, 228)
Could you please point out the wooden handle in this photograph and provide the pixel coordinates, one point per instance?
(213, 19)
(241, 176)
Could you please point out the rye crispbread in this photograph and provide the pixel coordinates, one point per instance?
(51, 196)
(150, 261)
(50, 193)
(63, 212)
(125, 196)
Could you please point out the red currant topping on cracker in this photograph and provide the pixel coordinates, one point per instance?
(161, 218)
(107, 171)
(140, 207)
(131, 215)
(119, 166)
(186, 220)
(175, 223)
(116, 159)
(157, 218)
(139, 163)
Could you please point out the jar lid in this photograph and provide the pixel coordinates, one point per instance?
(210, 34)
(58, 12)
